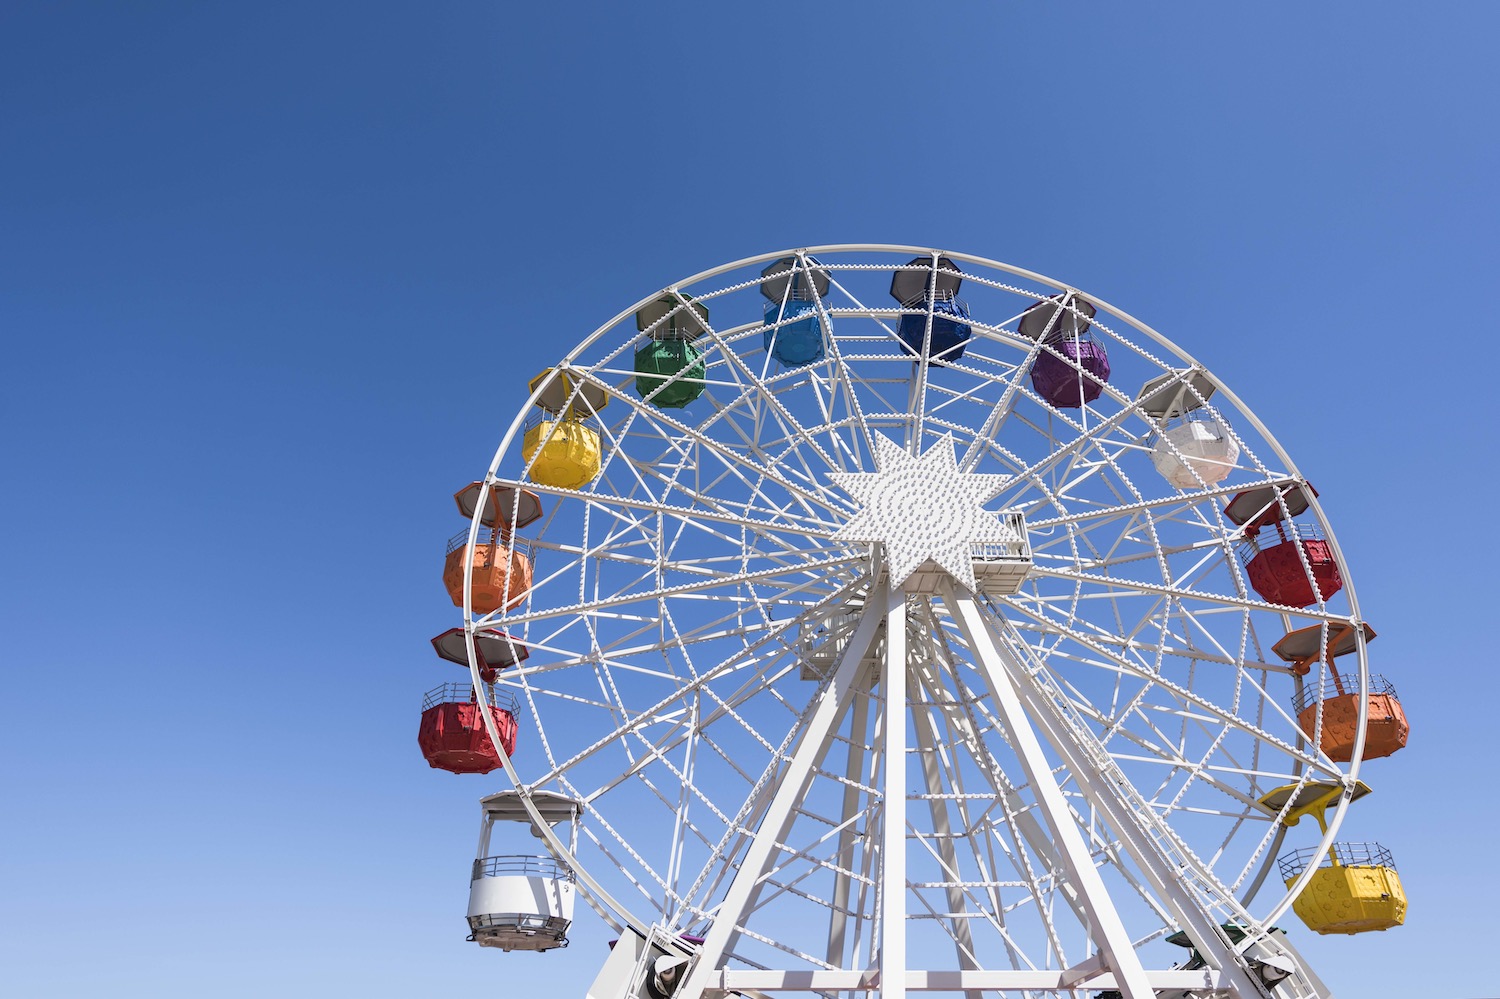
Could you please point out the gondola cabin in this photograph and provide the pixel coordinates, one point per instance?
(1354, 890)
(669, 365)
(523, 901)
(1336, 697)
(1296, 566)
(1072, 366)
(1296, 569)
(502, 572)
(792, 287)
(453, 735)
(1386, 727)
(934, 321)
(1355, 887)
(503, 565)
(561, 447)
(1193, 448)
(1194, 451)
(1276, 570)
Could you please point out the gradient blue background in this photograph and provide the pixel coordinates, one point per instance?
(272, 277)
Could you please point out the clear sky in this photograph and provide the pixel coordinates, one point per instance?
(272, 276)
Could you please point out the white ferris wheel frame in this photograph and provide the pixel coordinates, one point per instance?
(1024, 711)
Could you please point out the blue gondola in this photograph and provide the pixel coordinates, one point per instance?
(794, 332)
(933, 284)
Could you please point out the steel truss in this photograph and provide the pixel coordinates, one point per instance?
(844, 787)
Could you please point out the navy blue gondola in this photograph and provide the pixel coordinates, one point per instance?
(933, 284)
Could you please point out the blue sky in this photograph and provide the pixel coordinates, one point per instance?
(272, 276)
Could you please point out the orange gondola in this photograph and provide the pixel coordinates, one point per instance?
(1337, 696)
(502, 563)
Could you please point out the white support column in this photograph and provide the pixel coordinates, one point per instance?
(810, 748)
(924, 726)
(867, 900)
(854, 772)
(1108, 931)
(1026, 822)
(893, 848)
(1164, 878)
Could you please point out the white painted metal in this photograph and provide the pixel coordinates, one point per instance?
(1150, 843)
(931, 759)
(924, 511)
(519, 901)
(791, 785)
(713, 676)
(1106, 928)
(957, 981)
(893, 821)
(838, 918)
(617, 977)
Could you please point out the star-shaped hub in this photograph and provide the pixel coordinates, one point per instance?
(923, 508)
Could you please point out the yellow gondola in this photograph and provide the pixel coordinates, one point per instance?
(561, 447)
(1356, 888)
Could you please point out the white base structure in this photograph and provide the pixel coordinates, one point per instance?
(867, 675)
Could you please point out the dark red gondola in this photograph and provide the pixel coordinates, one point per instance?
(453, 736)
(1276, 570)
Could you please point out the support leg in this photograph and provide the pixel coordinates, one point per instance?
(924, 727)
(792, 785)
(893, 849)
(1072, 852)
(838, 920)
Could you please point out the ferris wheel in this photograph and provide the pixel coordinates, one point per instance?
(874, 619)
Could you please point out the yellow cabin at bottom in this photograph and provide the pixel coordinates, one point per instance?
(1352, 899)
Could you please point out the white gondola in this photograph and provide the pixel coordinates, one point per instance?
(1195, 451)
(1193, 448)
(522, 901)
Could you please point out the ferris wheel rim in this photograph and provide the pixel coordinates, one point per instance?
(572, 357)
